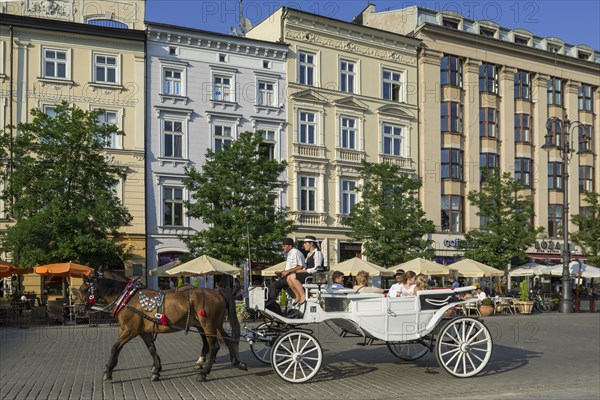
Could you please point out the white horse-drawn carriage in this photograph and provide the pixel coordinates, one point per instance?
(410, 326)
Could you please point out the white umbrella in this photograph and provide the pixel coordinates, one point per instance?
(271, 270)
(587, 271)
(162, 270)
(204, 265)
(474, 269)
(422, 266)
(353, 265)
(530, 269)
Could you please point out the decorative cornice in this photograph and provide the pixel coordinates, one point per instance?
(350, 46)
(81, 99)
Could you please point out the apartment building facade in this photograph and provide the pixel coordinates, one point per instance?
(54, 51)
(204, 89)
(485, 96)
(351, 96)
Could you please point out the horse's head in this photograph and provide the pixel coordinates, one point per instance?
(86, 296)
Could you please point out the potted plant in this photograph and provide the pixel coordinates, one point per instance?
(524, 305)
(241, 311)
(487, 307)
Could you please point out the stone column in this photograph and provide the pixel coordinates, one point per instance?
(572, 112)
(471, 143)
(540, 170)
(507, 119)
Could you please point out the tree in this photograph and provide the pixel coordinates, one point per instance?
(588, 222)
(506, 214)
(389, 219)
(60, 191)
(235, 194)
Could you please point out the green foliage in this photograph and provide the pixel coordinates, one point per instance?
(235, 195)
(588, 235)
(389, 219)
(523, 292)
(241, 310)
(60, 191)
(283, 298)
(486, 302)
(507, 231)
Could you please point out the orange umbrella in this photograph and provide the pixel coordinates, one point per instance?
(64, 269)
(7, 270)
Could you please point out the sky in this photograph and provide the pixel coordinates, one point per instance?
(575, 22)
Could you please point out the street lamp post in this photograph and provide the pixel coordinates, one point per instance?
(559, 137)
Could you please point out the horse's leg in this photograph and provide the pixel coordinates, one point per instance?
(233, 346)
(205, 348)
(124, 337)
(157, 367)
(213, 345)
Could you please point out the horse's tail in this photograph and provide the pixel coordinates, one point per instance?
(232, 315)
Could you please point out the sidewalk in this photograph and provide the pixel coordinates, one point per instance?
(545, 356)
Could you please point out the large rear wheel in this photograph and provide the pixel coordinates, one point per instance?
(464, 347)
(407, 351)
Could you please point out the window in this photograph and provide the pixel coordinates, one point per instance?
(554, 136)
(522, 128)
(222, 58)
(392, 85)
(585, 134)
(306, 73)
(586, 179)
(585, 98)
(523, 85)
(267, 147)
(348, 196)
(582, 55)
(222, 88)
(109, 117)
(523, 167)
(173, 138)
(521, 40)
(347, 74)
(553, 49)
(487, 32)
(451, 71)
(488, 122)
(172, 206)
(452, 164)
(118, 190)
(488, 78)
(308, 193)
(555, 175)
(449, 23)
(266, 64)
(49, 110)
(172, 81)
(105, 68)
(348, 133)
(222, 137)
(109, 23)
(452, 117)
(555, 90)
(173, 51)
(393, 140)
(266, 94)
(308, 125)
(452, 213)
(55, 64)
(488, 162)
(555, 217)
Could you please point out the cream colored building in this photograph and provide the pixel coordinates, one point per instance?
(91, 57)
(485, 94)
(351, 96)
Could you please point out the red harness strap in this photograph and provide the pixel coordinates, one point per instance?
(132, 287)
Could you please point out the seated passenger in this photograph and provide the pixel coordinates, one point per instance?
(396, 288)
(421, 283)
(338, 280)
(408, 284)
(362, 280)
(480, 293)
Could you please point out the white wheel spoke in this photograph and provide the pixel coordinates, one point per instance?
(310, 358)
(471, 362)
(453, 357)
(463, 330)
(479, 341)
(295, 370)
(457, 362)
(464, 363)
(287, 369)
(283, 347)
(450, 344)
(304, 374)
(450, 351)
(476, 356)
(303, 347)
(283, 362)
(307, 365)
(310, 350)
(470, 330)
(471, 338)
(479, 349)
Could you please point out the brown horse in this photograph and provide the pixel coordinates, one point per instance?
(204, 309)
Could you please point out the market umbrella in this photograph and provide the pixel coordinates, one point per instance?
(204, 265)
(587, 271)
(162, 270)
(353, 265)
(422, 266)
(271, 270)
(7, 270)
(474, 269)
(530, 269)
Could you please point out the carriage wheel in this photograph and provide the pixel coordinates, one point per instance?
(464, 347)
(296, 356)
(264, 337)
(407, 351)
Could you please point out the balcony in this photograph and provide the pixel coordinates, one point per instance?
(348, 155)
(310, 218)
(309, 151)
(403, 163)
(342, 220)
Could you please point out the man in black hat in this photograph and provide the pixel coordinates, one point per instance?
(396, 288)
(295, 262)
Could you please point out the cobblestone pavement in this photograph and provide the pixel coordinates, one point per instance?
(546, 356)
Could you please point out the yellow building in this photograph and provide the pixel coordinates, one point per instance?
(485, 96)
(90, 54)
(351, 96)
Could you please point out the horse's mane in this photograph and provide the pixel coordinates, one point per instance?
(111, 282)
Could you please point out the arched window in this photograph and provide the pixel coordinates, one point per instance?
(109, 23)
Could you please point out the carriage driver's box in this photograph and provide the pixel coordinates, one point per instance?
(257, 296)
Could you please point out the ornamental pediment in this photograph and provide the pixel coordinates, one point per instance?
(309, 96)
(394, 111)
(351, 102)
